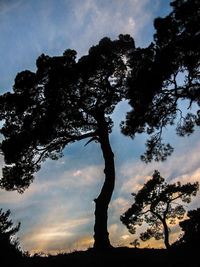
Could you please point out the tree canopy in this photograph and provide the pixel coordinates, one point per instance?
(59, 104)
(155, 203)
(170, 66)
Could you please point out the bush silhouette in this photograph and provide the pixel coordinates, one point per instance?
(9, 245)
(191, 228)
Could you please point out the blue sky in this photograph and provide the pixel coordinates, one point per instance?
(57, 211)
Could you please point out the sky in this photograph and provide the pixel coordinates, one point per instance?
(57, 210)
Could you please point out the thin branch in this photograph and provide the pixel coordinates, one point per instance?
(157, 215)
(181, 113)
(40, 157)
(54, 145)
(179, 196)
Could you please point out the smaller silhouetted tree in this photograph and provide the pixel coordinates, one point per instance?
(135, 243)
(191, 229)
(9, 246)
(156, 204)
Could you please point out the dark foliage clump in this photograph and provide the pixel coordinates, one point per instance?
(163, 75)
(191, 228)
(9, 245)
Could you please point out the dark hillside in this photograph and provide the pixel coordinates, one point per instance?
(121, 256)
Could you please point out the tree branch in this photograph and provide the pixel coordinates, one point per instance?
(177, 197)
(53, 146)
(142, 213)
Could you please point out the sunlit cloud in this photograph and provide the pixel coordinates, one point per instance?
(182, 166)
(46, 237)
(119, 204)
(88, 176)
(85, 177)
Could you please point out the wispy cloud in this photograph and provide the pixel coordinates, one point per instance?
(53, 212)
(50, 27)
(183, 165)
(54, 237)
(99, 19)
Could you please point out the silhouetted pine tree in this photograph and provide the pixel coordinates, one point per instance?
(9, 245)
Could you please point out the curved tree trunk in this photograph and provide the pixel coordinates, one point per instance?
(166, 230)
(166, 234)
(101, 235)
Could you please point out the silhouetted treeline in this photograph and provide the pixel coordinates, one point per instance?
(121, 256)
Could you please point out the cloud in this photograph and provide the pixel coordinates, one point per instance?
(56, 214)
(183, 165)
(98, 19)
(54, 237)
(88, 176)
(119, 205)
